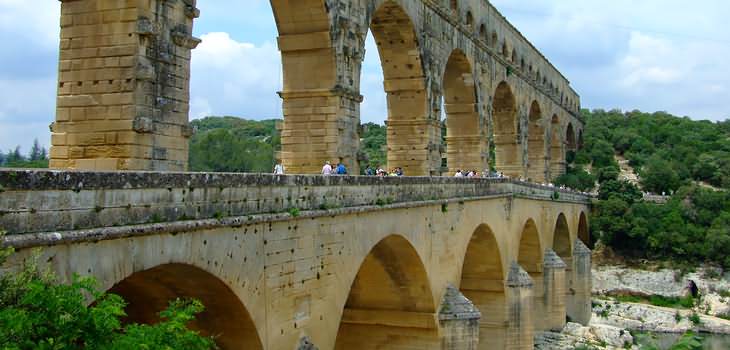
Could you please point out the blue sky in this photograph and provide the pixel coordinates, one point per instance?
(670, 55)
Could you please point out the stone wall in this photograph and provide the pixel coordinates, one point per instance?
(37, 201)
(123, 90)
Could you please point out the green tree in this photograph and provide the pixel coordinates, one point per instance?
(37, 312)
(658, 176)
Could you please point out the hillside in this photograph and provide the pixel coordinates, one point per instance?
(671, 155)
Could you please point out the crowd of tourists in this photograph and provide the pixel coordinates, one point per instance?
(328, 169)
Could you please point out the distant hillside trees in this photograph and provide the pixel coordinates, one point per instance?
(230, 144)
(36, 158)
(671, 155)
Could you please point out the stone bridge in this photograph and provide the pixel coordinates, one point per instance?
(124, 71)
(292, 262)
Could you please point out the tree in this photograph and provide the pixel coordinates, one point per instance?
(658, 176)
(36, 152)
(36, 312)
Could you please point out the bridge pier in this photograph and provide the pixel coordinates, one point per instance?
(579, 291)
(519, 330)
(553, 291)
(459, 319)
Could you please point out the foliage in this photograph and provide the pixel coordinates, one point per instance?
(230, 144)
(36, 158)
(577, 178)
(36, 312)
(671, 155)
(373, 145)
(667, 151)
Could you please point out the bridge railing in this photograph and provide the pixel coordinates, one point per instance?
(33, 201)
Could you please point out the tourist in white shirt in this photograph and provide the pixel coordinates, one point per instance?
(327, 169)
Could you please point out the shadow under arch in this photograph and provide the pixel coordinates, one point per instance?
(557, 154)
(225, 317)
(536, 154)
(464, 147)
(508, 156)
(530, 253)
(570, 138)
(404, 82)
(482, 282)
(390, 304)
(583, 230)
(562, 244)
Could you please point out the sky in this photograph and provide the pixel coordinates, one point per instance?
(668, 55)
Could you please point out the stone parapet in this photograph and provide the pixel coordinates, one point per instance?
(41, 201)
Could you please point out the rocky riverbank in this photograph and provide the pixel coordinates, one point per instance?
(615, 318)
(713, 284)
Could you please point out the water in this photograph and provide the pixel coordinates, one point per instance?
(665, 340)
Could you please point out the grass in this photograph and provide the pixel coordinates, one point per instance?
(659, 300)
(695, 318)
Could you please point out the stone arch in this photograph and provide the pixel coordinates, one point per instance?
(483, 33)
(505, 49)
(505, 127)
(580, 140)
(583, 230)
(530, 251)
(454, 4)
(470, 20)
(495, 39)
(557, 154)
(570, 138)
(389, 300)
(404, 84)
(464, 146)
(482, 282)
(562, 244)
(536, 144)
(225, 317)
(309, 65)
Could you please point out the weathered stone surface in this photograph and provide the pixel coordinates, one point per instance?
(121, 61)
(596, 336)
(36, 201)
(655, 319)
(344, 268)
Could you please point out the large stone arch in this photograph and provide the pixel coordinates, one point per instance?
(482, 282)
(570, 139)
(409, 128)
(562, 242)
(506, 131)
(583, 229)
(464, 146)
(310, 101)
(225, 317)
(390, 303)
(537, 155)
(530, 251)
(557, 151)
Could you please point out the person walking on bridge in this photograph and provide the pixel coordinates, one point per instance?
(327, 169)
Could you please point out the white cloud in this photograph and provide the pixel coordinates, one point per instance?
(235, 78)
(36, 21)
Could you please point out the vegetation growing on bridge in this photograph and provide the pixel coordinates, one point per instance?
(36, 312)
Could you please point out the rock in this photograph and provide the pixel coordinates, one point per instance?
(654, 319)
(594, 336)
(714, 288)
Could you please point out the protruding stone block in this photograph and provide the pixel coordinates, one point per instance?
(459, 320)
(520, 329)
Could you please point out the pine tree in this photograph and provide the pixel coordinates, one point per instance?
(36, 151)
